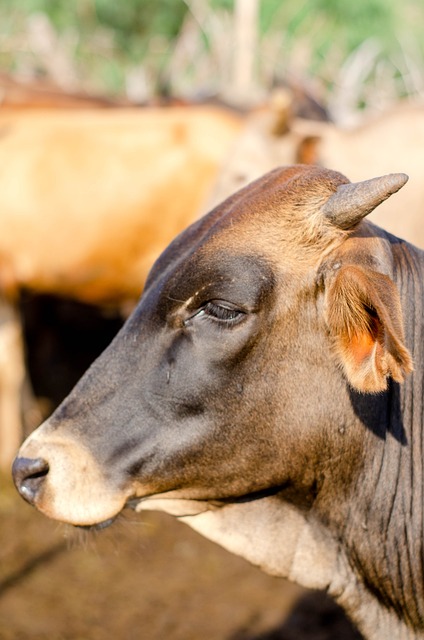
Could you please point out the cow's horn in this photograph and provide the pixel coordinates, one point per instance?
(354, 201)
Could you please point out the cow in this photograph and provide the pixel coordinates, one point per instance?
(263, 392)
(379, 144)
(89, 198)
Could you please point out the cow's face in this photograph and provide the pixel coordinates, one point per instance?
(228, 379)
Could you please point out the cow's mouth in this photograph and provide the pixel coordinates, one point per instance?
(96, 527)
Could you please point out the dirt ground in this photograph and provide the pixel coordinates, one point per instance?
(147, 577)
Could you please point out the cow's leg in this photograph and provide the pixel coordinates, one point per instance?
(12, 384)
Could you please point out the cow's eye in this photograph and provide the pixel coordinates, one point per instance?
(222, 311)
(219, 311)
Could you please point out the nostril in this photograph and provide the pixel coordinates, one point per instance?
(29, 475)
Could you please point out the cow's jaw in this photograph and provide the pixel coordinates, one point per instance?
(178, 507)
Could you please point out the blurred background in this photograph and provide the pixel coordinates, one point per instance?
(354, 55)
(120, 123)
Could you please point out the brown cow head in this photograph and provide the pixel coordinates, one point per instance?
(232, 379)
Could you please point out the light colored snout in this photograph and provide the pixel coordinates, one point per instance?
(72, 488)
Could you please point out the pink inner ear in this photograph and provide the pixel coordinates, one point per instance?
(361, 347)
(363, 343)
(368, 323)
(364, 360)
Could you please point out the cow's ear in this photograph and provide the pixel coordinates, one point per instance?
(365, 317)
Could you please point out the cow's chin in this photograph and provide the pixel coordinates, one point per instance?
(74, 490)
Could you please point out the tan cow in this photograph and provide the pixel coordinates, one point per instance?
(88, 199)
(391, 142)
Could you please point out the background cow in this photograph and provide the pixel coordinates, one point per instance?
(386, 142)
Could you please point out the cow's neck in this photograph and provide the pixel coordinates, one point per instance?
(387, 499)
(293, 544)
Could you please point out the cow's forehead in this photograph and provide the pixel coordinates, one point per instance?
(277, 218)
(297, 190)
(242, 276)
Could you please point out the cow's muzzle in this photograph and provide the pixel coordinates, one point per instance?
(29, 475)
(56, 474)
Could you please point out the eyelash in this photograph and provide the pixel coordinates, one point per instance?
(219, 313)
